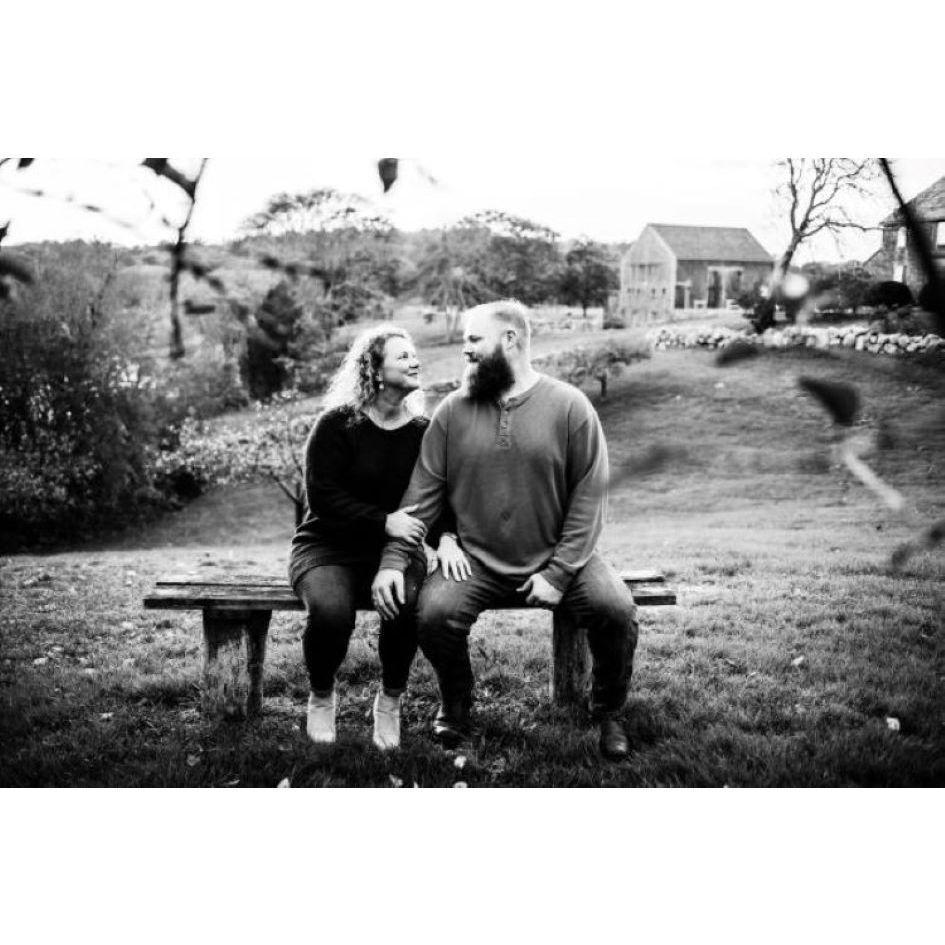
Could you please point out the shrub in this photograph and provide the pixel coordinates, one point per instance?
(276, 325)
(904, 321)
(749, 298)
(930, 297)
(350, 302)
(199, 387)
(763, 311)
(77, 415)
(268, 444)
(576, 365)
(289, 345)
(890, 294)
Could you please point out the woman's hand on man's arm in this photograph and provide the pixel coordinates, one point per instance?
(401, 524)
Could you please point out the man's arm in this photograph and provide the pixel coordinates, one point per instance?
(427, 488)
(588, 473)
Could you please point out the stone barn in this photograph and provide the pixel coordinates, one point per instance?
(684, 267)
(896, 259)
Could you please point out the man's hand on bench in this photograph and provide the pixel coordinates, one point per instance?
(387, 592)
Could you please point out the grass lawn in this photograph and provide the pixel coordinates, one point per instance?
(792, 644)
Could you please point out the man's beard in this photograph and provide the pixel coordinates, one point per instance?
(489, 378)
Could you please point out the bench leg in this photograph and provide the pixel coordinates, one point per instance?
(257, 633)
(229, 690)
(571, 669)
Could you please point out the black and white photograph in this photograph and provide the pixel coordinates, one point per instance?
(495, 415)
(329, 499)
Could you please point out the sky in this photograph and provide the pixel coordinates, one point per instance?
(605, 194)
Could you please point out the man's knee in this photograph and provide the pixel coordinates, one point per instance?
(617, 613)
(630, 621)
(439, 612)
(623, 610)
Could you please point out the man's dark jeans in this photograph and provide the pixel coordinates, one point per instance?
(597, 598)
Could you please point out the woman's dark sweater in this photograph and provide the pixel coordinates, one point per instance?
(355, 475)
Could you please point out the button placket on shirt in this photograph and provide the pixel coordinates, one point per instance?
(503, 439)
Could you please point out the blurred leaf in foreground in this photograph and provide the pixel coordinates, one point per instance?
(839, 399)
(387, 169)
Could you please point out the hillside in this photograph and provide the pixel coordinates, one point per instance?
(792, 646)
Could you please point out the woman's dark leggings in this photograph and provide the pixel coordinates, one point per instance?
(332, 594)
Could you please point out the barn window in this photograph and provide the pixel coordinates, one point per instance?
(901, 238)
(899, 270)
(940, 234)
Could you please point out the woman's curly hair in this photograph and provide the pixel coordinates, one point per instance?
(357, 382)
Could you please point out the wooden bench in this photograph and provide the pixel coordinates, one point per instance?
(238, 608)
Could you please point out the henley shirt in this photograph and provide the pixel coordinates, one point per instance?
(525, 479)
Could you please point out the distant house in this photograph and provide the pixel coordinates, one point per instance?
(675, 267)
(896, 258)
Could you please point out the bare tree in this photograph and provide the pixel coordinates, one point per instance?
(178, 249)
(816, 192)
(324, 210)
(446, 276)
(934, 289)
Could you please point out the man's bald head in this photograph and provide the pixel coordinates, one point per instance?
(507, 314)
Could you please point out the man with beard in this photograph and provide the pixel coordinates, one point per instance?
(521, 460)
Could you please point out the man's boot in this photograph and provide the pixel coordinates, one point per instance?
(453, 723)
(614, 744)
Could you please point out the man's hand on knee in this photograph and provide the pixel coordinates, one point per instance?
(540, 593)
(387, 592)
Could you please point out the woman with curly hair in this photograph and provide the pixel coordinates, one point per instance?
(358, 461)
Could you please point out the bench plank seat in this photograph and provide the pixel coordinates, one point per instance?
(248, 592)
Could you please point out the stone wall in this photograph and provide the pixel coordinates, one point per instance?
(856, 337)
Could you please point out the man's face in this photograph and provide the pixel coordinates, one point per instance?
(488, 373)
(481, 336)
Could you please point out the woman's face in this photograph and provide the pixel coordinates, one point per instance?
(401, 367)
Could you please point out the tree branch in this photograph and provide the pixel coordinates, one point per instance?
(922, 246)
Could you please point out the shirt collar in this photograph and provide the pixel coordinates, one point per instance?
(514, 402)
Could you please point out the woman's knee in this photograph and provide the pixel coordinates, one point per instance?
(329, 602)
(414, 578)
(330, 619)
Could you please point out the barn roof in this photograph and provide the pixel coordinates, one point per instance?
(712, 243)
(928, 205)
